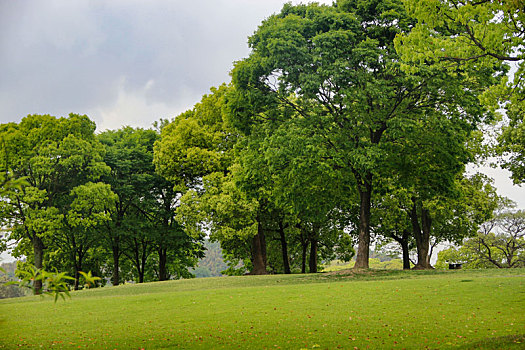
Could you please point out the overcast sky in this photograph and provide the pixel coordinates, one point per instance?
(128, 62)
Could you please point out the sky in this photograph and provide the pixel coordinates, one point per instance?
(129, 62)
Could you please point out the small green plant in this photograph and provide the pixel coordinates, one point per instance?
(53, 283)
(89, 280)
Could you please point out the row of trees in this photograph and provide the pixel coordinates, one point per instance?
(346, 124)
(91, 202)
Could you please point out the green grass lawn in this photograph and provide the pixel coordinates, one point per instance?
(375, 309)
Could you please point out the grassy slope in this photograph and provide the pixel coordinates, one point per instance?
(385, 309)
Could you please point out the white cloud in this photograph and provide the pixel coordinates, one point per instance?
(132, 107)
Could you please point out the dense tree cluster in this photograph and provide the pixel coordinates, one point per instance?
(91, 202)
(346, 125)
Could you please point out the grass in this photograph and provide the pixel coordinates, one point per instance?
(370, 309)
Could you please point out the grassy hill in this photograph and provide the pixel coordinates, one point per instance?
(373, 309)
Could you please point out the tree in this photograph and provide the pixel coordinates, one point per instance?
(176, 249)
(477, 34)
(127, 155)
(53, 155)
(337, 69)
(503, 236)
(142, 219)
(196, 152)
(499, 243)
(87, 211)
(289, 157)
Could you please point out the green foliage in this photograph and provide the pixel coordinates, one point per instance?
(90, 205)
(53, 283)
(89, 279)
(49, 157)
(476, 35)
(512, 145)
(7, 275)
(195, 143)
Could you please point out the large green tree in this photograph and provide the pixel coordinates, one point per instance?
(476, 34)
(78, 237)
(130, 178)
(336, 67)
(54, 156)
(142, 220)
(196, 152)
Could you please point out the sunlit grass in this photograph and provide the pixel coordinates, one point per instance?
(378, 309)
(394, 264)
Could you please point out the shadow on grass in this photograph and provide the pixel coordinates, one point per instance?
(516, 341)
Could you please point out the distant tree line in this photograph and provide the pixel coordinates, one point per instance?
(347, 125)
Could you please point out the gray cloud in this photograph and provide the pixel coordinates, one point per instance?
(90, 56)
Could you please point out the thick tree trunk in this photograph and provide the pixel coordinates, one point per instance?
(284, 249)
(115, 278)
(363, 250)
(422, 236)
(313, 256)
(38, 252)
(406, 257)
(259, 252)
(163, 273)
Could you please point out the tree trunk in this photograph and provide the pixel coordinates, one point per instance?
(403, 242)
(304, 246)
(313, 256)
(163, 273)
(115, 278)
(38, 252)
(284, 249)
(143, 261)
(363, 250)
(422, 236)
(78, 267)
(406, 257)
(259, 252)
